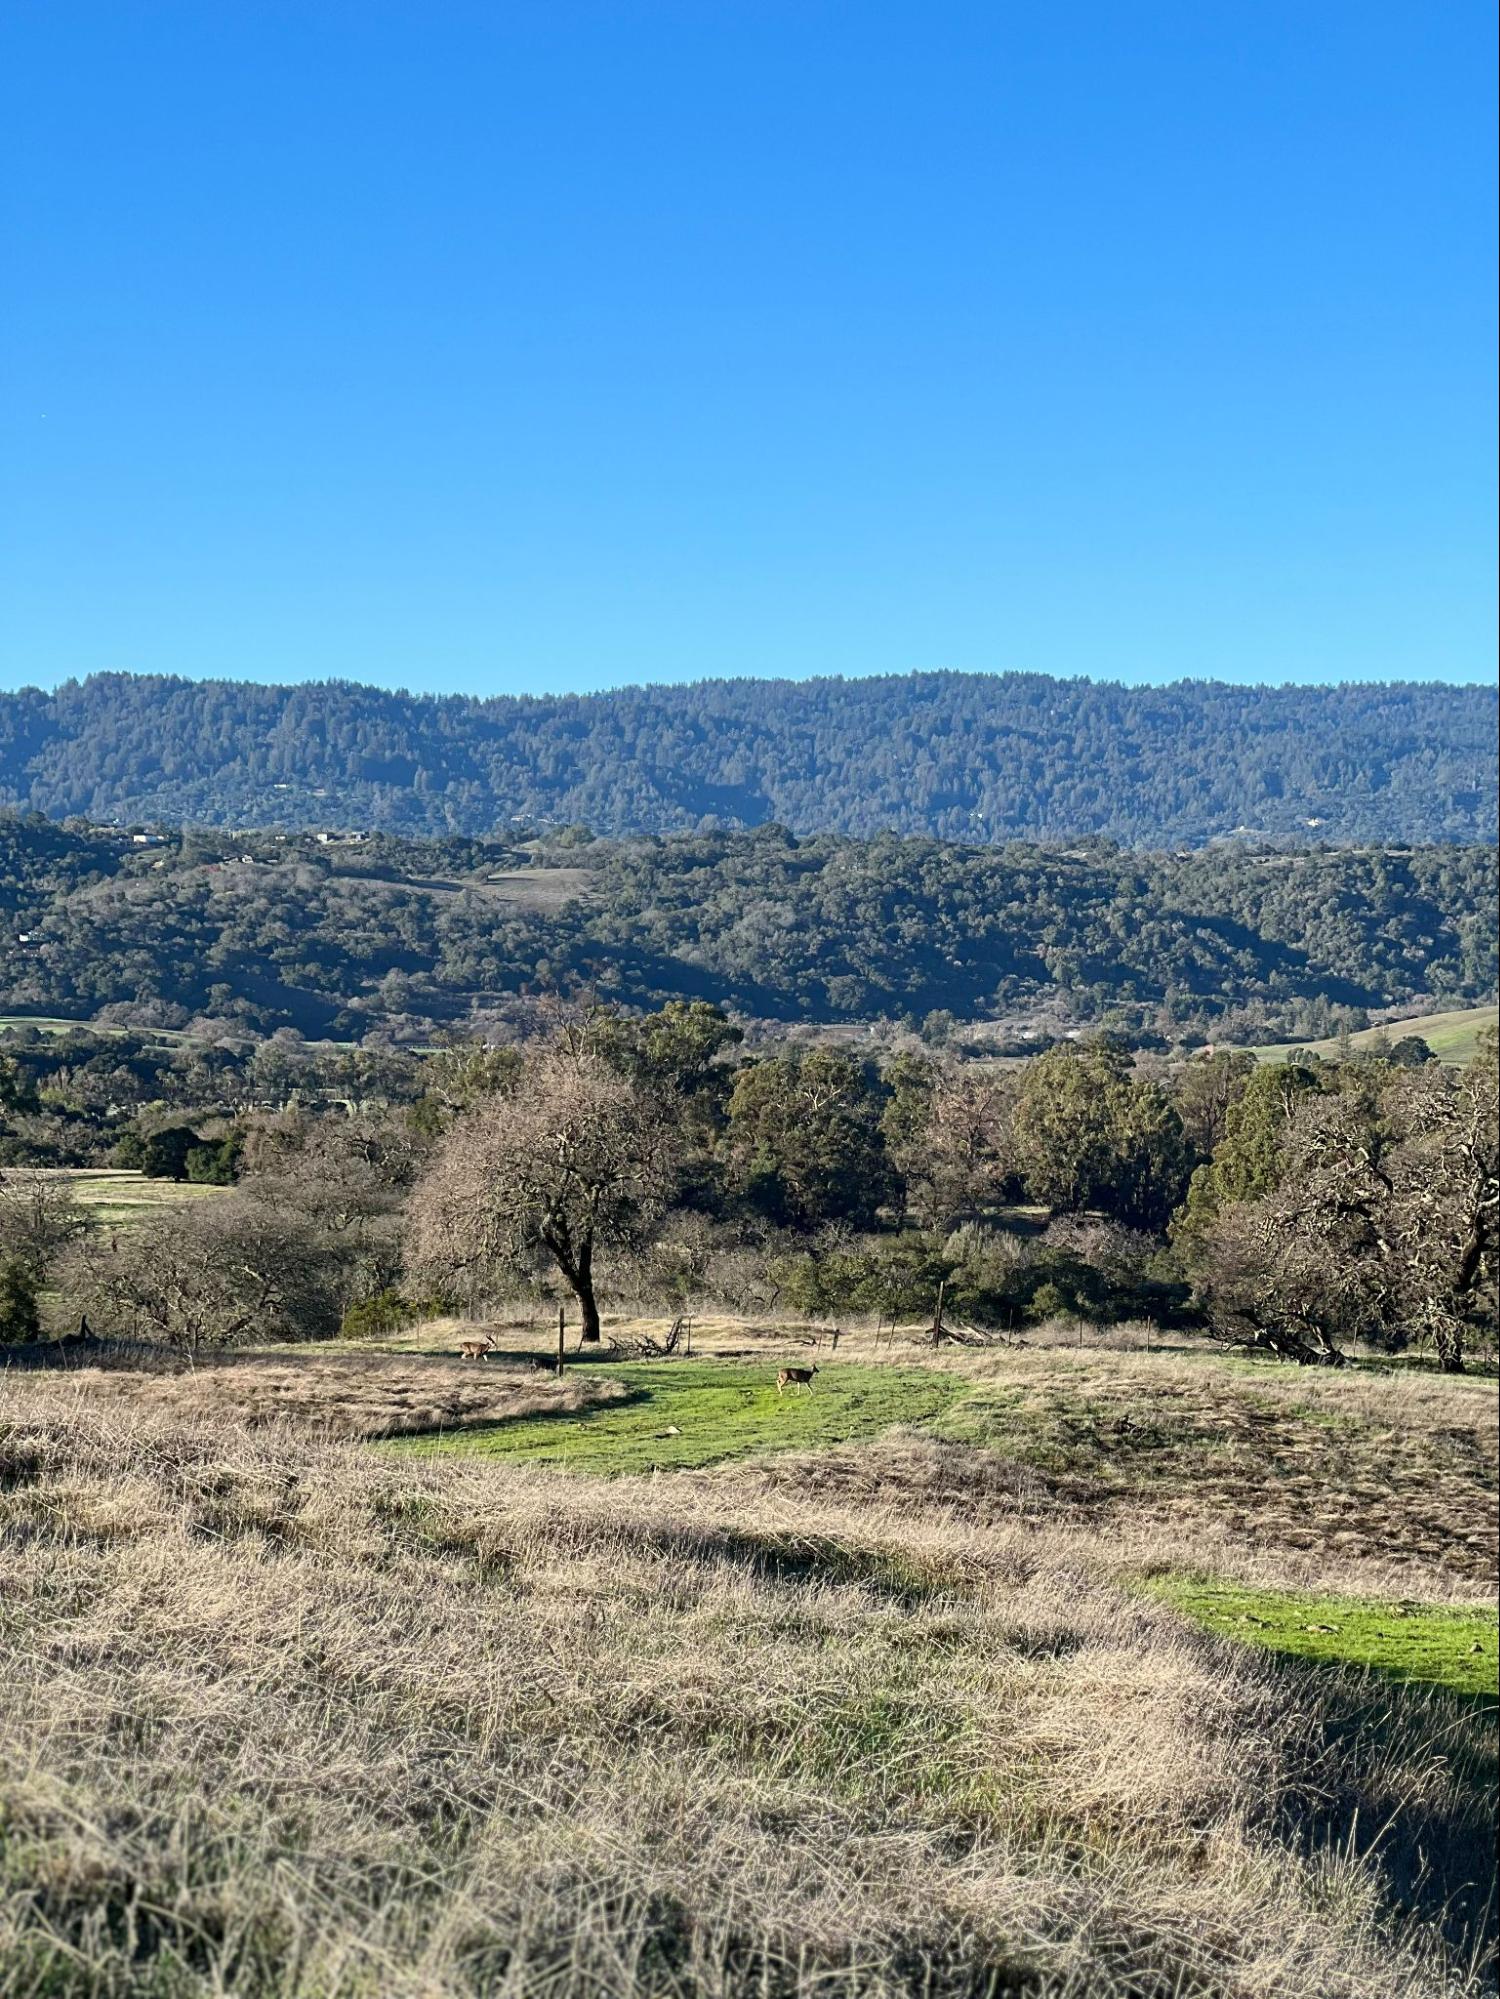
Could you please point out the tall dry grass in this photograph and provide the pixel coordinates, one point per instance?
(341, 1394)
(286, 1719)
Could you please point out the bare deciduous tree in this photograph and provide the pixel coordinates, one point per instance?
(343, 1178)
(1383, 1225)
(39, 1217)
(956, 1161)
(1206, 1091)
(576, 1159)
(219, 1273)
(1443, 1221)
(1301, 1270)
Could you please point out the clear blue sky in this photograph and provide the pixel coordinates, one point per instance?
(521, 347)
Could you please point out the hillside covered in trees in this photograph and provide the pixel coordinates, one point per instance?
(338, 938)
(972, 757)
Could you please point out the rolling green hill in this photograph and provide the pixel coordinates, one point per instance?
(1452, 1037)
(1238, 944)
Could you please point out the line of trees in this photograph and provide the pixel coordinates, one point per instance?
(976, 757)
(1299, 1209)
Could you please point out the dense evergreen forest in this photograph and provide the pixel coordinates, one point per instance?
(340, 938)
(955, 756)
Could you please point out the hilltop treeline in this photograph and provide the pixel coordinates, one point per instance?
(958, 756)
(338, 940)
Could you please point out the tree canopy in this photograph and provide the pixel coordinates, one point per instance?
(260, 932)
(975, 757)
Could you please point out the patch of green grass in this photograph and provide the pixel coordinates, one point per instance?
(1452, 1037)
(717, 1410)
(1453, 1648)
(58, 1023)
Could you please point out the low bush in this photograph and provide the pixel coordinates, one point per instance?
(19, 1318)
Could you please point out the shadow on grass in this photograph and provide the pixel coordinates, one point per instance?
(810, 1560)
(538, 1419)
(1433, 1841)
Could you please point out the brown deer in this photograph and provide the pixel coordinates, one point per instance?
(796, 1377)
(476, 1349)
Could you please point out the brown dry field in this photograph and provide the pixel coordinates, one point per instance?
(1337, 1474)
(289, 1717)
(352, 1395)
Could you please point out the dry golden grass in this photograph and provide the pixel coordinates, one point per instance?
(289, 1719)
(346, 1394)
(116, 1196)
(1357, 1479)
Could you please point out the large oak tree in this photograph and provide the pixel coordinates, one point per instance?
(577, 1158)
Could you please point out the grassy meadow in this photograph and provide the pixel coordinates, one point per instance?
(677, 1413)
(117, 1196)
(1123, 1670)
(1453, 1037)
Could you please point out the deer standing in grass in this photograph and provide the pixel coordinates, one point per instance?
(476, 1349)
(796, 1377)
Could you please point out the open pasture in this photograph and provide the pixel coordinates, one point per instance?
(1453, 1037)
(118, 1195)
(1031, 1671)
(678, 1413)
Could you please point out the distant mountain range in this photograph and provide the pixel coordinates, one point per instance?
(969, 757)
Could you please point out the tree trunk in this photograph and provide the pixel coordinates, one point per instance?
(1450, 1351)
(577, 1267)
(581, 1277)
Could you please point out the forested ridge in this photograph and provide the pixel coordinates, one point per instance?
(282, 930)
(968, 757)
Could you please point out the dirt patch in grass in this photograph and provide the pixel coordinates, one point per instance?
(1380, 1468)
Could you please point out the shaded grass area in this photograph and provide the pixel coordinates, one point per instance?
(677, 1414)
(1437, 1646)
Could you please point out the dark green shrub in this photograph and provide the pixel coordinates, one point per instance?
(216, 1163)
(386, 1313)
(19, 1318)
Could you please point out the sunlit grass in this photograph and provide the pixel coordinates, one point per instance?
(117, 1196)
(1453, 1647)
(684, 1413)
(1453, 1037)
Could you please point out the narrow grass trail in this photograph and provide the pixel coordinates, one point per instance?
(681, 1414)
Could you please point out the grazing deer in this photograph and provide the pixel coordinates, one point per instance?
(796, 1376)
(476, 1349)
